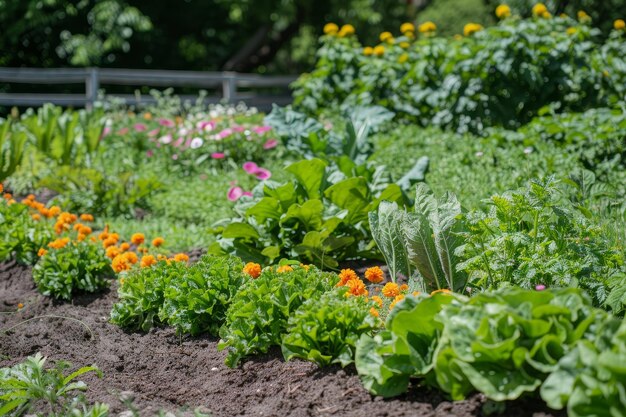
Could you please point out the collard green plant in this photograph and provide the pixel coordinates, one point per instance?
(422, 242)
(325, 329)
(503, 343)
(77, 266)
(258, 315)
(29, 387)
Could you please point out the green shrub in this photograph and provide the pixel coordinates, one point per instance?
(21, 236)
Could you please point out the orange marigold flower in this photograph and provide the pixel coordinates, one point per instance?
(157, 241)
(20, 306)
(374, 275)
(7, 196)
(112, 252)
(161, 257)
(374, 312)
(404, 287)
(442, 290)
(147, 116)
(284, 268)
(181, 257)
(131, 257)
(104, 235)
(137, 238)
(252, 269)
(346, 275)
(378, 300)
(356, 287)
(305, 267)
(36, 217)
(120, 263)
(11, 201)
(55, 211)
(148, 261)
(109, 241)
(86, 217)
(84, 230)
(59, 243)
(124, 246)
(81, 237)
(41, 252)
(77, 226)
(1, 187)
(396, 300)
(391, 289)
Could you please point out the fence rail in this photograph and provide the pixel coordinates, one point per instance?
(227, 85)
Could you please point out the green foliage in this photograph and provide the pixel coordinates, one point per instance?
(258, 316)
(325, 329)
(12, 143)
(28, 387)
(501, 76)
(503, 343)
(21, 237)
(77, 266)
(423, 241)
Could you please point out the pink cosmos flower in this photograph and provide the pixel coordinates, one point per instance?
(224, 134)
(140, 127)
(167, 122)
(105, 132)
(154, 132)
(540, 287)
(178, 142)
(247, 193)
(262, 174)
(149, 153)
(206, 126)
(235, 193)
(238, 129)
(218, 155)
(250, 167)
(259, 130)
(270, 144)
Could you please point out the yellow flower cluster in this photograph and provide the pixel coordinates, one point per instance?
(346, 30)
(332, 29)
(540, 10)
(386, 37)
(472, 28)
(503, 11)
(583, 16)
(619, 24)
(427, 27)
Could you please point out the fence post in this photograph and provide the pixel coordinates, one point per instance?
(229, 87)
(92, 84)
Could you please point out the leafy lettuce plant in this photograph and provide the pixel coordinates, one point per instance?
(77, 266)
(502, 343)
(325, 329)
(258, 315)
(422, 242)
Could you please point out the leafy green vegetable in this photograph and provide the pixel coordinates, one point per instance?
(21, 237)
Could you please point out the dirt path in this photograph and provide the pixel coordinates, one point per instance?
(162, 372)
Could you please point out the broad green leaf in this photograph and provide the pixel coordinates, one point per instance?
(386, 226)
(240, 231)
(310, 175)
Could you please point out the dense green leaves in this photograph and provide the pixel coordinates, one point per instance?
(21, 237)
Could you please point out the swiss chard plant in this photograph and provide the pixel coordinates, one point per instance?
(259, 313)
(325, 329)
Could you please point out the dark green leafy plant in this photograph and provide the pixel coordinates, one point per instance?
(77, 266)
(28, 387)
(325, 329)
(12, 141)
(258, 315)
(21, 237)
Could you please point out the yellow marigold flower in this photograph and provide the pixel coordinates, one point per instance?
(404, 45)
(442, 290)
(378, 300)
(122, 281)
(407, 27)
(404, 287)
(539, 9)
(41, 252)
(356, 288)
(181, 257)
(571, 31)
(147, 261)
(59, 243)
(346, 30)
(385, 36)
(403, 58)
(368, 50)
(396, 300)
(11, 201)
(252, 269)
(379, 50)
(120, 263)
(583, 16)
(112, 252)
(86, 217)
(416, 293)
(131, 257)
(284, 268)
(374, 312)
(305, 267)
(391, 289)
(157, 241)
(503, 11)
(427, 27)
(374, 275)
(619, 24)
(546, 15)
(109, 241)
(36, 217)
(471, 28)
(331, 29)
(346, 275)
(124, 246)
(137, 238)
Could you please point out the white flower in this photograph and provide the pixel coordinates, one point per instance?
(196, 143)
(528, 150)
(165, 139)
(479, 154)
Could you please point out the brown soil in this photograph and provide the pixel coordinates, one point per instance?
(162, 372)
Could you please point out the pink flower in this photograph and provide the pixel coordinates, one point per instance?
(250, 167)
(175, 157)
(235, 193)
(224, 134)
(154, 132)
(178, 142)
(259, 130)
(167, 122)
(263, 174)
(540, 287)
(140, 127)
(206, 126)
(122, 131)
(238, 129)
(105, 132)
(270, 144)
(218, 155)
(165, 139)
(247, 193)
(149, 153)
